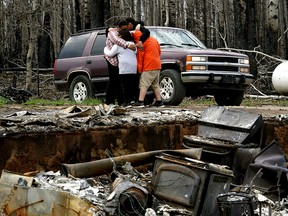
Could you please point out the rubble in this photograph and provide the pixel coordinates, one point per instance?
(23, 200)
(200, 179)
(77, 118)
(126, 193)
(130, 192)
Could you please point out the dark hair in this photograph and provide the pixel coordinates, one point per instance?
(131, 20)
(126, 35)
(141, 23)
(121, 23)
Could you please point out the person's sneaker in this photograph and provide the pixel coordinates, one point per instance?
(126, 105)
(158, 104)
(138, 104)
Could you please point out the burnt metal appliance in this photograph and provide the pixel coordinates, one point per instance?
(225, 134)
(237, 126)
(237, 204)
(186, 182)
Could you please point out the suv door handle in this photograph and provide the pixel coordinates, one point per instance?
(89, 61)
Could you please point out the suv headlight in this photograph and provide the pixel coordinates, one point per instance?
(244, 61)
(196, 59)
(244, 69)
(195, 67)
(190, 59)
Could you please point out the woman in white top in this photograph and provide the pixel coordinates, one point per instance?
(127, 67)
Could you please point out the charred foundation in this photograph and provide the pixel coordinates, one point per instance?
(34, 141)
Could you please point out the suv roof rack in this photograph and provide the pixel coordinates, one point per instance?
(92, 29)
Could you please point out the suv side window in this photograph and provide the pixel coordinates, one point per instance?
(99, 44)
(74, 46)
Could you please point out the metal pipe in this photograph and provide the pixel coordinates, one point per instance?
(105, 166)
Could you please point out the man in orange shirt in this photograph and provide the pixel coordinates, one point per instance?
(149, 66)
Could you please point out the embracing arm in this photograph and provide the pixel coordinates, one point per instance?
(115, 39)
(112, 52)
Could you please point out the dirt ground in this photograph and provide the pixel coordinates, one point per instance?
(47, 90)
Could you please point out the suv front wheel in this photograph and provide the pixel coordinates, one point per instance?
(80, 89)
(172, 89)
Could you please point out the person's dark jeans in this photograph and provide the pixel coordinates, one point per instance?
(114, 90)
(130, 86)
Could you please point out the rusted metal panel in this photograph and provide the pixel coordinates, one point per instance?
(11, 178)
(28, 201)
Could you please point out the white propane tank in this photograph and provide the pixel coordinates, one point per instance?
(280, 78)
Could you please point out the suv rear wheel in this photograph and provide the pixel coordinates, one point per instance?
(81, 89)
(172, 89)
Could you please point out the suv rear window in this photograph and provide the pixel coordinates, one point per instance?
(99, 44)
(73, 48)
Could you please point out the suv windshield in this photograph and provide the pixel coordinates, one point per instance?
(175, 37)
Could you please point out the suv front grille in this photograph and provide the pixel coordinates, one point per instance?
(222, 59)
(222, 68)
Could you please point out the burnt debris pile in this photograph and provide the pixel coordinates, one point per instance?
(223, 170)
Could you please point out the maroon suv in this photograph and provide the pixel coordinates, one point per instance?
(188, 68)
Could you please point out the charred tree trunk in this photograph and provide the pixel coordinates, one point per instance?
(55, 27)
(159, 17)
(283, 29)
(220, 23)
(137, 9)
(229, 23)
(167, 13)
(251, 26)
(77, 15)
(97, 13)
(116, 11)
(24, 36)
(190, 21)
(261, 15)
(251, 41)
(130, 8)
(149, 13)
(44, 43)
(2, 33)
(240, 23)
(272, 26)
(32, 19)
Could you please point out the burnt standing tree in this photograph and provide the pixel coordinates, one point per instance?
(97, 13)
(33, 32)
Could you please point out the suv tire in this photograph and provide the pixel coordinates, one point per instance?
(80, 89)
(231, 98)
(172, 89)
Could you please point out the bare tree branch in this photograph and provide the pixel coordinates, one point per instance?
(257, 90)
(253, 51)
